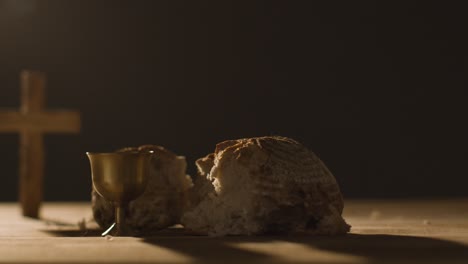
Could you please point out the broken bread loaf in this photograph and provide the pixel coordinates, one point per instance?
(264, 185)
(163, 201)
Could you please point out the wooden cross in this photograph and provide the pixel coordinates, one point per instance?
(31, 122)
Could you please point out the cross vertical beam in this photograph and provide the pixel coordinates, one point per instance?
(31, 154)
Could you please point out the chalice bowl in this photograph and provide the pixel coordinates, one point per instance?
(119, 177)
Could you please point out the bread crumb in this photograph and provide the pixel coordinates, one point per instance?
(82, 224)
(426, 222)
(375, 215)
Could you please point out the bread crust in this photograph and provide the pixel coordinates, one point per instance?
(265, 185)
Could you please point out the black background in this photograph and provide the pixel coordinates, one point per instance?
(376, 89)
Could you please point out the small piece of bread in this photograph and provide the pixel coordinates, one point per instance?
(164, 199)
(264, 185)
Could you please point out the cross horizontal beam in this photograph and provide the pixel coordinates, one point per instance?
(47, 121)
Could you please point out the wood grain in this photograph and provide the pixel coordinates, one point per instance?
(402, 231)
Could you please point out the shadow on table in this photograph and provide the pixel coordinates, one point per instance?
(66, 229)
(372, 248)
(205, 249)
(390, 248)
(74, 233)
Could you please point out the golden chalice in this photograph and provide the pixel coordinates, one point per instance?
(119, 177)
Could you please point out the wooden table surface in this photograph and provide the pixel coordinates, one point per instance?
(398, 231)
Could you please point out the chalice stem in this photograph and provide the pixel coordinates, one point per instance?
(120, 219)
